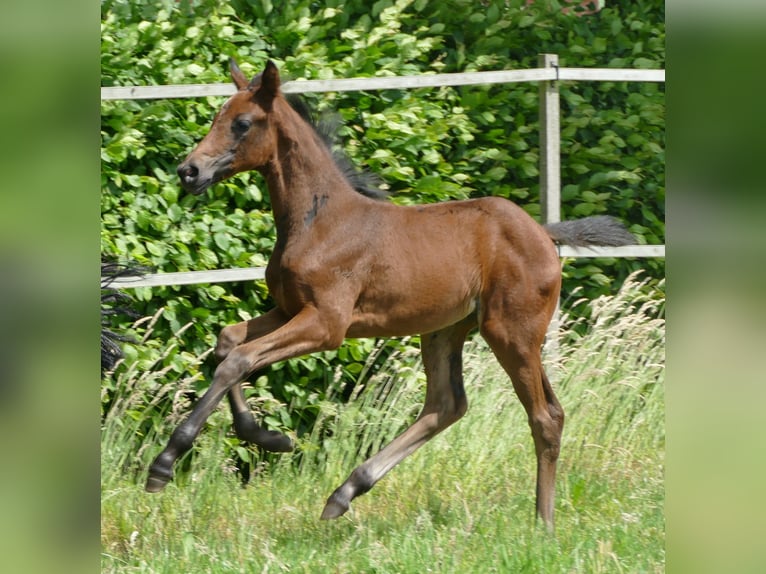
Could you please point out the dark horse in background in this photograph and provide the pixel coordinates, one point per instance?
(347, 265)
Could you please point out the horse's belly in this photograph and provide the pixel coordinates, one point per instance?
(424, 311)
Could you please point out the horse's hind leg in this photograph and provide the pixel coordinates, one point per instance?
(516, 339)
(245, 425)
(445, 403)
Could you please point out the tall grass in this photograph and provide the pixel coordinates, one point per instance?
(462, 503)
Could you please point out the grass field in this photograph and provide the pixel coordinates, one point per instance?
(463, 503)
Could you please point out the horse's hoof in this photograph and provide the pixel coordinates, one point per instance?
(278, 442)
(156, 483)
(333, 509)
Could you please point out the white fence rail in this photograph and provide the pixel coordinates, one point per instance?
(545, 73)
(548, 74)
(258, 273)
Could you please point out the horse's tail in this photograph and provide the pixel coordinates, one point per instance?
(596, 230)
(111, 304)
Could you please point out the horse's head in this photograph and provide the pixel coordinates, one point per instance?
(242, 136)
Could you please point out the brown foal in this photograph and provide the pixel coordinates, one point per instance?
(347, 265)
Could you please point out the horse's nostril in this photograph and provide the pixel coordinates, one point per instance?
(188, 172)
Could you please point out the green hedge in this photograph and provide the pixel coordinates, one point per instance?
(427, 144)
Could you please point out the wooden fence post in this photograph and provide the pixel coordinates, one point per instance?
(550, 143)
(550, 168)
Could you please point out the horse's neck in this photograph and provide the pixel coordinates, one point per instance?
(302, 178)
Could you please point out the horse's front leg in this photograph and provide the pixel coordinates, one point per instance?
(305, 333)
(249, 430)
(161, 470)
(245, 425)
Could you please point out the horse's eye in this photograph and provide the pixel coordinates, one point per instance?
(241, 125)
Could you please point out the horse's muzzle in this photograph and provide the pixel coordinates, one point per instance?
(198, 174)
(190, 178)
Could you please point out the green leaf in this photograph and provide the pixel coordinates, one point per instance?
(354, 368)
(216, 291)
(222, 240)
(156, 249)
(496, 173)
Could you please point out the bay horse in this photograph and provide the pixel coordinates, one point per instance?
(347, 265)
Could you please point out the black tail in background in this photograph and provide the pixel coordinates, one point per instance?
(602, 230)
(114, 302)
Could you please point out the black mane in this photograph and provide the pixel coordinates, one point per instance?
(363, 181)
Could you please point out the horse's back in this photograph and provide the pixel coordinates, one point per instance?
(484, 229)
(432, 265)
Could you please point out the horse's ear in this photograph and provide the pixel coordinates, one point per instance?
(236, 75)
(270, 79)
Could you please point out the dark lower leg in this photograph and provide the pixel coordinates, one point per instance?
(249, 430)
(546, 477)
(547, 444)
(364, 477)
(546, 432)
(359, 482)
(161, 470)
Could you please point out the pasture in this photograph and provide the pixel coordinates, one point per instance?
(465, 502)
